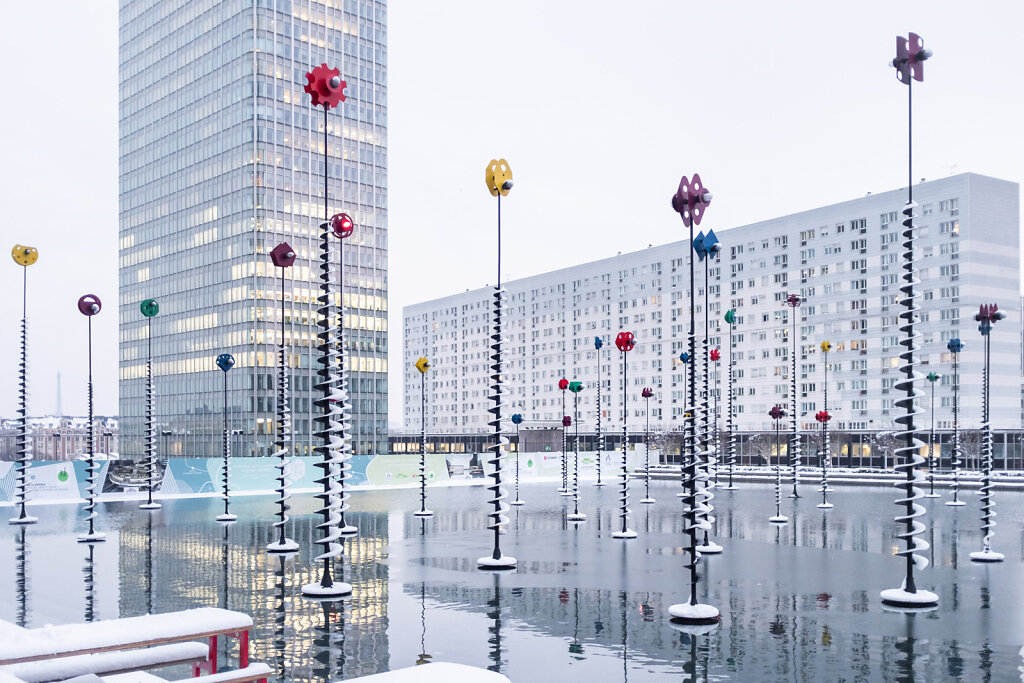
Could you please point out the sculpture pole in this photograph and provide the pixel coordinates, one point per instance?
(826, 445)
(150, 308)
(624, 342)
(794, 301)
(777, 413)
(225, 362)
(598, 343)
(955, 346)
(932, 378)
(89, 305)
(716, 422)
(423, 365)
(909, 63)
(987, 315)
(706, 247)
(647, 393)
(563, 384)
(576, 516)
(730, 320)
(343, 227)
(498, 177)
(684, 358)
(282, 256)
(24, 257)
(517, 420)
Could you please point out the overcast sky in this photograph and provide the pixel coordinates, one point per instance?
(598, 106)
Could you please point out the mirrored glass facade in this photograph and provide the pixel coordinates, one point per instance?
(222, 158)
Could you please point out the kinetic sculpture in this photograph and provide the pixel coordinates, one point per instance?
(326, 88)
(225, 362)
(89, 305)
(826, 445)
(730, 320)
(932, 378)
(598, 343)
(777, 413)
(24, 257)
(342, 226)
(423, 365)
(576, 516)
(624, 342)
(716, 416)
(517, 420)
(690, 201)
(150, 308)
(706, 247)
(563, 384)
(955, 346)
(909, 63)
(498, 177)
(793, 301)
(987, 316)
(684, 358)
(647, 393)
(283, 256)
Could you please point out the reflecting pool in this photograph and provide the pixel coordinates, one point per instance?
(799, 601)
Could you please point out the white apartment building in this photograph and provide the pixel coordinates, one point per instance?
(843, 260)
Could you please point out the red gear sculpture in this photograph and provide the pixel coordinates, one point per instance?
(342, 225)
(325, 86)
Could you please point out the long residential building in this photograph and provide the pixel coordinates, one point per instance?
(844, 262)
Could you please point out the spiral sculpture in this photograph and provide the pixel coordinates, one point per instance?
(777, 413)
(646, 394)
(423, 365)
(598, 343)
(282, 256)
(955, 346)
(89, 305)
(342, 227)
(576, 516)
(225, 362)
(150, 308)
(517, 419)
(625, 343)
(688, 445)
(794, 301)
(706, 247)
(330, 431)
(987, 315)
(690, 201)
(730, 320)
(716, 415)
(563, 384)
(24, 257)
(932, 378)
(824, 417)
(498, 177)
(910, 55)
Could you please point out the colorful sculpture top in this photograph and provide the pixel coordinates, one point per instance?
(932, 377)
(730, 316)
(575, 387)
(342, 225)
(517, 419)
(706, 245)
(423, 365)
(625, 341)
(282, 255)
(793, 300)
(563, 384)
(24, 256)
(716, 355)
(822, 416)
(598, 343)
(684, 357)
(647, 392)
(89, 304)
(691, 200)
(910, 56)
(498, 177)
(777, 412)
(225, 361)
(826, 346)
(325, 86)
(955, 345)
(987, 315)
(149, 308)
(566, 421)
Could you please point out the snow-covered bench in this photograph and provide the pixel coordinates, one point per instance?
(132, 633)
(61, 668)
(254, 673)
(435, 672)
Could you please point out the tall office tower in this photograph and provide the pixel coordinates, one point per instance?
(221, 159)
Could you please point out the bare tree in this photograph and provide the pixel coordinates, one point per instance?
(762, 445)
(668, 444)
(970, 448)
(885, 441)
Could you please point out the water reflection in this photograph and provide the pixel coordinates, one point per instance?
(21, 581)
(329, 643)
(494, 613)
(88, 571)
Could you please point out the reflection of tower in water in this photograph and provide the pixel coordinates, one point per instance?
(21, 581)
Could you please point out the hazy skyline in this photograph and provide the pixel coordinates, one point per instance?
(780, 107)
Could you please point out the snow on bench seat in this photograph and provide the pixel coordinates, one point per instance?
(435, 672)
(61, 668)
(9, 629)
(120, 634)
(253, 672)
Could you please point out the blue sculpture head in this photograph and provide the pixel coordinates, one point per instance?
(955, 345)
(225, 361)
(685, 357)
(598, 343)
(517, 419)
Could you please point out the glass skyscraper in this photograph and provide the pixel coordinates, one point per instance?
(221, 158)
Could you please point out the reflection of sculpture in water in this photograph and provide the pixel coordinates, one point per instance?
(576, 647)
(495, 630)
(905, 646)
(21, 582)
(329, 643)
(149, 564)
(423, 658)
(280, 642)
(90, 584)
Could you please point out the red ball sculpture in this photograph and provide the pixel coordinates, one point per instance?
(647, 392)
(716, 355)
(342, 225)
(566, 421)
(325, 86)
(625, 341)
(563, 384)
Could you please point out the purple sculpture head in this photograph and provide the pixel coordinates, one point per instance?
(89, 304)
(910, 57)
(647, 392)
(691, 200)
(777, 412)
(282, 255)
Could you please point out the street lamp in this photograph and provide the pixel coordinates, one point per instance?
(932, 378)
(987, 315)
(794, 301)
(777, 413)
(646, 393)
(955, 346)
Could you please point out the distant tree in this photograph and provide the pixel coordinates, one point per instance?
(762, 445)
(886, 443)
(970, 448)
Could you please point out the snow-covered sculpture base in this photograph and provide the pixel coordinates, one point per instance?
(825, 506)
(695, 614)
(987, 556)
(94, 537)
(903, 598)
(503, 562)
(227, 518)
(335, 590)
(289, 546)
(424, 513)
(576, 517)
(711, 548)
(647, 501)
(779, 519)
(955, 502)
(150, 506)
(628, 533)
(23, 520)
(518, 502)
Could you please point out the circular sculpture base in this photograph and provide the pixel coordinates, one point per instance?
(23, 520)
(576, 517)
(779, 519)
(289, 546)
(711, 548)
(600, 483)
(561, 490)
(646, 501)
(566, 493)
(227, 518)
(681, 494)
(685, 613)
(518, 502)
(825, 506)
(731, 488)
(503, 562)
(150, 506)
(932, 495)
(348, 530)
(987, 556)
(794, 495)
(955, 502)
(94, 537)
(901, 598)
(424, 513)
(335, 590)
(628, 533)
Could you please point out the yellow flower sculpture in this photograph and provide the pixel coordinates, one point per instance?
(498, 177)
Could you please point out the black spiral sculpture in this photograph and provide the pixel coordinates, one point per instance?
(598, 343)
(824, 417)
(624, 342)
(730, 320)
(794, 301)
(646, 394)
(225, 362)
(150, 308)
(89, 305)
(777, 413)
(988, 315)
(563, 385)
(955, 346)
(423, 365)
(576, 515)
(910, 55)
(24, 257)
(517, 419)
(498, 177)
(706, 247)
(343, 227)
(282, 256)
